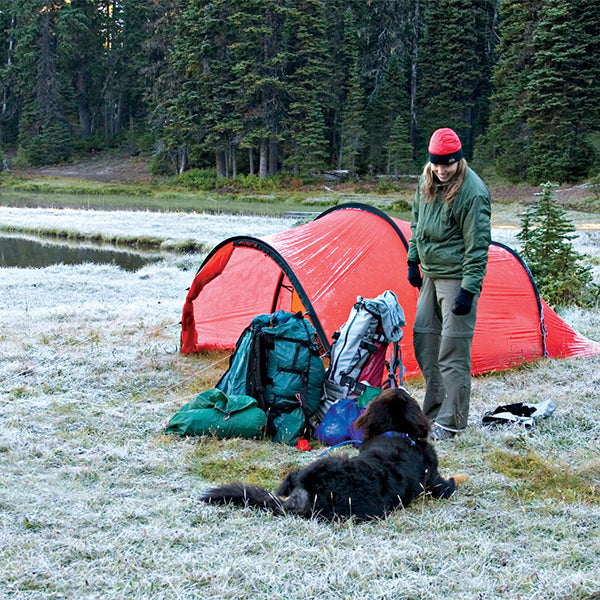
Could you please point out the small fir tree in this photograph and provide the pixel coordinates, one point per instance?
(353, 130)
(399, 148)
(546, 234)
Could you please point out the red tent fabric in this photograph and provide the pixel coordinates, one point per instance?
(357, 250)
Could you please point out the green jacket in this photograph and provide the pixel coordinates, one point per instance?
(451, 241)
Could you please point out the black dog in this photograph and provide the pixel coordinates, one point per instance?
(395, 464)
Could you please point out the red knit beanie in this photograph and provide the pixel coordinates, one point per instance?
(444, 147)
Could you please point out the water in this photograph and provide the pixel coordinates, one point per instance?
(27, 251)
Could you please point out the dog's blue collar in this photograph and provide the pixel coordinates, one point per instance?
(399, 434)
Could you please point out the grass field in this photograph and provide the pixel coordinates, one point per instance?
(119, 197)
(96, 503)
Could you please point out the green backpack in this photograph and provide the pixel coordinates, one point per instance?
(277, 361)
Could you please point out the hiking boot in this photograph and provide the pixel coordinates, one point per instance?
(439, 433)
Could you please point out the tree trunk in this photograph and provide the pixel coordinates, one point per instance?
(340, 160)
(221, 163)
(85, 122)
(251, 160)
(262, 163)
(182, 160)
(233, 152)
(273, 148)
(494, 33)
(118, 113)
(112, 112)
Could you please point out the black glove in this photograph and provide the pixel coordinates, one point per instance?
(414, 274)
(463, 303)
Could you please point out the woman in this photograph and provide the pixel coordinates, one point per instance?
(450, 239)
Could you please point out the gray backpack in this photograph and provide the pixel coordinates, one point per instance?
(359, 349)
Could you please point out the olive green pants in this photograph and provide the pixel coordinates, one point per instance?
(442, 342)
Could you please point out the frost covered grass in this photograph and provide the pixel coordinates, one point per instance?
(97, 503)
(83, 194)
(163, 229)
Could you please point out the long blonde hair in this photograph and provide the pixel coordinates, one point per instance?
(431, 186)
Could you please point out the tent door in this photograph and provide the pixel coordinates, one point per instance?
(285, 297)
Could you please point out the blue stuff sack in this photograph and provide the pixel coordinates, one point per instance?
(336, 426)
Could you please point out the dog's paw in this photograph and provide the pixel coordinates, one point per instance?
(460, 478)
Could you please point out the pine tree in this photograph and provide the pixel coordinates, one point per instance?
(546, 235)
(354, 135)
(456, 62)
(383, 28)
(305, 82)
(308, 150)
(132, 61)
(9, 98)
(340, 33)
(414, 35)
(203, 113)
(79, 56)
(508, 135)
(259, 58)
(163, 86)
(545, 109)
(389, 102)
(45, 135)
(561, 106)
(398, 148)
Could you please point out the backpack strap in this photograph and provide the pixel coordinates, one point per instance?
(395, 374)
(256, 377)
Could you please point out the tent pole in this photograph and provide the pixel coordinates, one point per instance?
(277, 292)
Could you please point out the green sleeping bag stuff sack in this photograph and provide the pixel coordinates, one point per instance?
(277, 361)
(214, 413)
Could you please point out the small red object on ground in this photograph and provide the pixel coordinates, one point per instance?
(303, 444)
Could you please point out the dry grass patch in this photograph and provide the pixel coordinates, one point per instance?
(537, 477)
(257, 462)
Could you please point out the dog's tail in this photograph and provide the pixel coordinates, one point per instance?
(242, 494)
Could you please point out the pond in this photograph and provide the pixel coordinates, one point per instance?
(28, 251)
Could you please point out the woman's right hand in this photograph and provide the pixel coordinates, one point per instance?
(414, 274)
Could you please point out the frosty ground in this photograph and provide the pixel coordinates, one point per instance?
(96, 502)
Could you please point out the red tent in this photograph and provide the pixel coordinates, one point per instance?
(356, 250)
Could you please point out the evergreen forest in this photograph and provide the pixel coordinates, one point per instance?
(261, 87)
